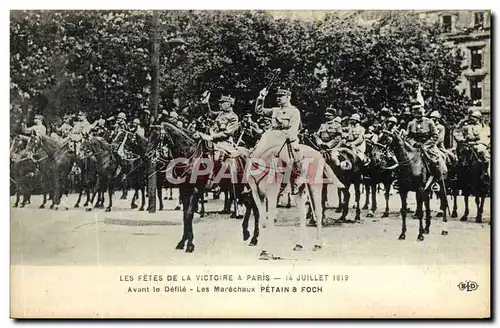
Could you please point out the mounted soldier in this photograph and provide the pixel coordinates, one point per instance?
(329, 134)
(38, 128)
(225, 125)
(64, 130)
(475, 137)
(355, 137)
(285, 126)
(424, 135)
(448, 155)
(136, 128)
(81, 128)
(99, 129)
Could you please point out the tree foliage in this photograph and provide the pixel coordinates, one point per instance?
(99, 61)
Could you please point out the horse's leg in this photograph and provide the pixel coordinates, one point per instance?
(256, 227)
(422, 197)
(193, 200)
(259, 211)
(316, 194)
(454, 213)
(159, 191)
(272, 203)
(300, 200)
(184, 199)
(357, 196)
(170, 197)
(324, 201)
(339, 195)
(289, 200)
(373, 188)
(481, 207)
(367, 194)
(466, 201)
(110, 195)
(143, 197)
(246, 218)
(404, 195)
(77, 205)
(479, 218)
(44, 200)
(202, 210)
(179, 204)
(133, 205)
(345, 205)
(18, 196)
(427, 204)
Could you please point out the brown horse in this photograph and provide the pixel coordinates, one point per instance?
(470, 176)
(412, 175)
(192, 166)
(55, 162)
(374, 173)
(348, 168)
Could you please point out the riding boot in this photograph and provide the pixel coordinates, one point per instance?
(299, 179)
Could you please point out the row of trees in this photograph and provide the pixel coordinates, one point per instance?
(99, 61)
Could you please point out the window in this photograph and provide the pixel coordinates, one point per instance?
(476, 55)
(476, 91)
(447, 22)
(478, 20)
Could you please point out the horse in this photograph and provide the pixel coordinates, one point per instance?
(157, 147)
(23, 171)
(190, 168)
(55, 161)
(412, 175)
(374, 173)
(274, 172)
(471, 177)
(107, 165)
(347, 166)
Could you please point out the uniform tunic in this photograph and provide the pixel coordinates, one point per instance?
(356, 138)
(40, 130)
(224, 126)
(285, 123)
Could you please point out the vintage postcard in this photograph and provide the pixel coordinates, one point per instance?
(250, 164)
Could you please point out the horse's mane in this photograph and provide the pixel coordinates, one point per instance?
(101, 143)
(179, 137)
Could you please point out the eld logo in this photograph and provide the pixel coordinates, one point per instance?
(468, 286)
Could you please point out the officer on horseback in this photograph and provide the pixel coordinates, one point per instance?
(285, 126)
(38, 128)
(64, 130)
(355, 137)
(81, 127)
(225, 125)
(136, 128)
(472, 134)
(424, 135)
(449, 157)
(329, 133)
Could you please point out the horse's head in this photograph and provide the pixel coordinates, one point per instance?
(466, 154)
(34, 143)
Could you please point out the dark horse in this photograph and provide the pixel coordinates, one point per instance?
(107, 163)
(189, 169)
(55, 165)
(471, 177)
(374, 173)
(347, 167)
(412, 175)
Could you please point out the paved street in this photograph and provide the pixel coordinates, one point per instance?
(77, 237)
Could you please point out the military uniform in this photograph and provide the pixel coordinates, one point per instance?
(223, 128)
(285, 125)
(474, 135)
(355, 137)
(64, 130)
(330, 133)
(39, 129)
(424, 132)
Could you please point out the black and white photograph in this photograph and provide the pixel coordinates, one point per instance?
(269, 139)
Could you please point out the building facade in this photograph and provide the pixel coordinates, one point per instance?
(469, 31)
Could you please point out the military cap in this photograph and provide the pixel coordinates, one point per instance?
(435, 114)
(284, 92)
(136, 121)
(337, 119)
(355, 117)
(228, 99)
(122, 115)
(476, 114)
(392, 119)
